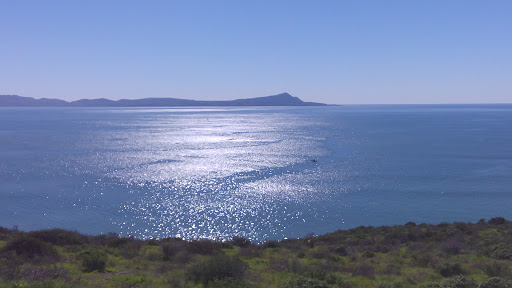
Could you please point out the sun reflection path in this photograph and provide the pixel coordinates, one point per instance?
(216, 208)
(231, 175)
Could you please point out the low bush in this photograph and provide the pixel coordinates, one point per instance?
(341, 250)
(116, 242)
(250, 252)
(93, 260)
(496, 282)
(502, 254)
(230, 283)
(368, 254)
(226, 245)
(317, 274)
(320, 253)
(41, 273)
(293, 265)
(131, 249)
(381, 249)
(171, 247)
(364, 270)
(153, 253)
(58, 237)
(496, 269)
(497, 221)
(391, 285)
(129, 280)
(452, 246)
(10, 266)
(216, 267)
(270, 244)
(422, 259)
(240, 241)
(203, 246)
(30, 247)
(4, 233)
(391, 269)
(451, 269)
(460, 281)
(153, 242)
(303, 282)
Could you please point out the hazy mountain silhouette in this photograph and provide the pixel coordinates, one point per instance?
(283, 99)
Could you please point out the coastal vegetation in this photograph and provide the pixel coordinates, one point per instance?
(412, 255)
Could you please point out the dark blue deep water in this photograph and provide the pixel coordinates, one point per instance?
(218, 172)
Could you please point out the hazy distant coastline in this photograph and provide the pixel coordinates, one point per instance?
(283, 99)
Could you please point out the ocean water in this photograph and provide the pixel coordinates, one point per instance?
(218, 172)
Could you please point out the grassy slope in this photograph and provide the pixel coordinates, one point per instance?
(400, 256)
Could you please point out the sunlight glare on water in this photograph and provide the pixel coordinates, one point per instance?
(209, 176)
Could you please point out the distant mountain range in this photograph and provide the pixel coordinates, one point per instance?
(283, 99)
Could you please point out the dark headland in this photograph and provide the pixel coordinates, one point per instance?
(283, 99)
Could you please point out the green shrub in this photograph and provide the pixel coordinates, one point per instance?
(460, 281)
(341, 250)
(152, 242)
(226, 245)
(93, 260)
(131, 249)
(303, 282)
(169, 250)
(381, 249)
(171, 247)
(452, 246)
(496, 282)
(4, 233)
(392, 285)
(229, 283)
(422, 259)
(203, 246)
(497, 221)
(317, 274)
(368, 254)
(449, 269)
(502, 254)
(270, 244)
(129, 280)
(431, 285)
(10, 266)
(41, 273)
(118, 241)
(364, 270)
(58, 237)
(30, 247)
(293, 265)
(152, 253)
(216, 267)
(496, 269)
(250, 252)
(241, 241)
(127, 247)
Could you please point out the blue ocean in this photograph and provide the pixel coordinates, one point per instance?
(258, 172)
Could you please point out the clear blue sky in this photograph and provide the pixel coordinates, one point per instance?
(338, 52)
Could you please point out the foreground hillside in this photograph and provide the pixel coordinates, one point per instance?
(411, 255)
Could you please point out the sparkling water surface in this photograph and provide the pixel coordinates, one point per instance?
(218, 172)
